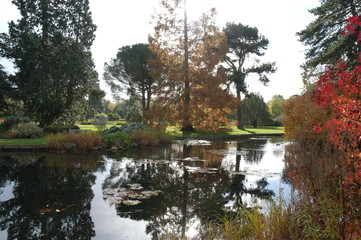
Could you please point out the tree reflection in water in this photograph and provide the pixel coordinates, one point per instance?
(52, 195)
(189, 197)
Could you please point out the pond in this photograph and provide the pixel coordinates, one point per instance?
(149, 194)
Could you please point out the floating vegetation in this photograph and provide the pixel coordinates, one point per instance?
(203, 170)
(135, 186)
(131, 202)
(131, 196)
(192, 159)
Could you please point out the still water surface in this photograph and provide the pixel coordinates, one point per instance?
(149, 194)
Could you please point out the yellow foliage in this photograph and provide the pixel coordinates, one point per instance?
(302, 114)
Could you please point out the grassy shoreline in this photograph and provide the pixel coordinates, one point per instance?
(230, 133)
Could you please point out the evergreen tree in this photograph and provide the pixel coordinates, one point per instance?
(5, 89)
(50, 47)
(255, 110)
(244, 41)
(131, 69)
(322, 36)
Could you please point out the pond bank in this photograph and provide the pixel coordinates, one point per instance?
(23, 148)
(44, 148)
(228, 137)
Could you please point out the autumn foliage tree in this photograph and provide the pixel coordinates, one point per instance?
(192, 93)
(301, 114)
(339, 89)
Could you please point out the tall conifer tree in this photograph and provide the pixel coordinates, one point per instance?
(243, 42)
(322, 36)
(50, 47)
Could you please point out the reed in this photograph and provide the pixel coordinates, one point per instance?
(82, 142)
(150, 138)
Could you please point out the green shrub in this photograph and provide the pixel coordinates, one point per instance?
(52, 129)
(12, 121)
(128, 128)
(27, 130)
(120, 140)
(82, 142)
(134, 115)
(113, 117)
(100, 122)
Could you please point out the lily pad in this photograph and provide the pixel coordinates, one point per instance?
(135, 186)
(131, 202)
(144, 195)
(115, 200)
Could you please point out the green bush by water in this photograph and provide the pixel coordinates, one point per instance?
(119, 140)
(27, 130)
(59, 129)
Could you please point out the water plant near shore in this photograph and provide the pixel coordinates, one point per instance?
(82, 142)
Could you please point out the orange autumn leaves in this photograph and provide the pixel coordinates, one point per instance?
(192, 59)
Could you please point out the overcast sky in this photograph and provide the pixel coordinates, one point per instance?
(126, 22)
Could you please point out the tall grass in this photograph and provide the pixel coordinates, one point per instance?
(275, 223)
(150, 138)
(82, 142)
(323, 208)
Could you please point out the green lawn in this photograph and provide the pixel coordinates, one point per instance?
(93, 128)
(23, 141)
(226, 132)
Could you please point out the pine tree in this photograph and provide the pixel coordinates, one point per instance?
(322, 36)
(244, 41)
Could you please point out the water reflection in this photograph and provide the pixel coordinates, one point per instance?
(50, 199)
(63, 197)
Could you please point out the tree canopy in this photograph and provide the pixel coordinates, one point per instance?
(243, 42)
(255, 111)
(131, 69)
(192, 94)
(275, 107)
(322, 36)
(50, 47)
(4, 88)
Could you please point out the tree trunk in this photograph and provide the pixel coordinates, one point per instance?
(149, 96)
(239, 110)
(187, 126)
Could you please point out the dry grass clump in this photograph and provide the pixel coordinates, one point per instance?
(82, 142)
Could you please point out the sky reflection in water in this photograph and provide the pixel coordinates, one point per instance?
(67, 197)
